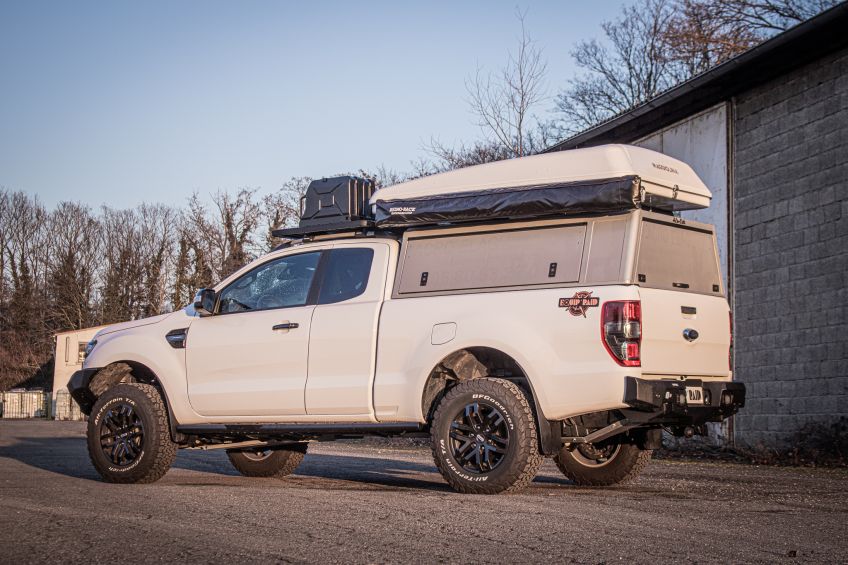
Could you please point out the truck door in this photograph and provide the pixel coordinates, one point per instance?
(249, 359)
(343, 336)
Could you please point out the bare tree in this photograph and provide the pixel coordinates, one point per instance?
(156, 244)
(447, 158)
(73, 265)
(122, 280)
(629, 68)
(655, 44)
(766, 17)
(701, 36)
(24, 336)
(222, 235)
(138, 251)
(503, 101)
(282, 208)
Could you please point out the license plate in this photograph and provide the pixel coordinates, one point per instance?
(694, 395)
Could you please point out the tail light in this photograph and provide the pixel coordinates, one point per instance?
(621, 331)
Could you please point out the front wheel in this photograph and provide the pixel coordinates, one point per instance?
(605, 463)
(278, 462)
(128, 435)
(484, 437)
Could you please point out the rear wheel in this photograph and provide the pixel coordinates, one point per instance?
(605, 463)
(484, 437)
(128, 435)
(277, 462)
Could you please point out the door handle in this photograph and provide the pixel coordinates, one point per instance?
(286, 326)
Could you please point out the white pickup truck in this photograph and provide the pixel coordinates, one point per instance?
(547, 306)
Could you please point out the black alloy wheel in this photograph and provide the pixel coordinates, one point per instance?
(258, 455)
(479, 437)
(484, 437)
(121, 434)
(593, 455)
(129, 439)
(609, 462)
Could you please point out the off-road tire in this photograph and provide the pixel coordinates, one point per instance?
(624, 466)
(279, 462)
(520, 461)
(155, 452)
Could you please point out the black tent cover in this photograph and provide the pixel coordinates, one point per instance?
(580, 197)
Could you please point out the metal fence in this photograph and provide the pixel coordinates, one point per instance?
(19, 404)
(24, 404)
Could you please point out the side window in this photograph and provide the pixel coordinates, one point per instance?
(280, 283)
(346, 274)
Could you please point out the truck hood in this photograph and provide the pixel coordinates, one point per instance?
(132, 324)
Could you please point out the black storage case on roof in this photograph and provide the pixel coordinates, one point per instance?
(333, 204)
(342, 204)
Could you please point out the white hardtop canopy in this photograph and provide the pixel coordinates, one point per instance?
(661, 176)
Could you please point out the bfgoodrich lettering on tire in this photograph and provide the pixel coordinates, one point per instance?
(484, 437)
(128, 435)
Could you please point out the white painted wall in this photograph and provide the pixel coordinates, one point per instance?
(701, 141)
(67, 355)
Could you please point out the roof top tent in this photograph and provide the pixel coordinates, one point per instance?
(597, 180)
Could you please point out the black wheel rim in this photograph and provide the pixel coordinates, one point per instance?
(596, 455)
(121, 435)
(479, 437)
(258, 455)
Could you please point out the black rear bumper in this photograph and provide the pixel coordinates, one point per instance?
(78, 387)
(677, 402)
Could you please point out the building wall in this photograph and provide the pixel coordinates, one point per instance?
(790, 183)
(67, 357)
(701, 142)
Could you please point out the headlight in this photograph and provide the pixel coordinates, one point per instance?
(89, 348)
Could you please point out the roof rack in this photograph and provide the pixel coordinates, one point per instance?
(598, 180)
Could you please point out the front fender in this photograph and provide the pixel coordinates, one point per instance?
(146, 345)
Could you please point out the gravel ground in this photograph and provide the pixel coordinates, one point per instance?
(373, 502)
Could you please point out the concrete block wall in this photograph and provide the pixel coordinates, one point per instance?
(790, 182)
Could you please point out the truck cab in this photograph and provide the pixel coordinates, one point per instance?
(548, 306)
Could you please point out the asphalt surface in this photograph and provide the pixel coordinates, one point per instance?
(373, 503)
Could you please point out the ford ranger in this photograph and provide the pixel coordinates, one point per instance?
(549, 306)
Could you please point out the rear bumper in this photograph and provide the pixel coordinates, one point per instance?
(78, 387)
(676, 402)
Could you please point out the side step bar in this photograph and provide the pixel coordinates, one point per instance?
(300, 429)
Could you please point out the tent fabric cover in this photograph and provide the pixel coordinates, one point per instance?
(577, 197)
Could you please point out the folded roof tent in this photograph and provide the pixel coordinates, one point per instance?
(597, 180)
(604, 179)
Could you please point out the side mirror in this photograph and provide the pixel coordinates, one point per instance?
(204, 302)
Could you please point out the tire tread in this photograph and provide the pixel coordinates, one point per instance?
(163, 449)
(620, 472)
(526, 435)
(279, 464)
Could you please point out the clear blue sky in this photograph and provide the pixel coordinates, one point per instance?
(123, 102)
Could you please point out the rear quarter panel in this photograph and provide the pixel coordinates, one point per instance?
(562, 354)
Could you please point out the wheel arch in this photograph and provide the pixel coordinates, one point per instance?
(129, 371)
(484, 361)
